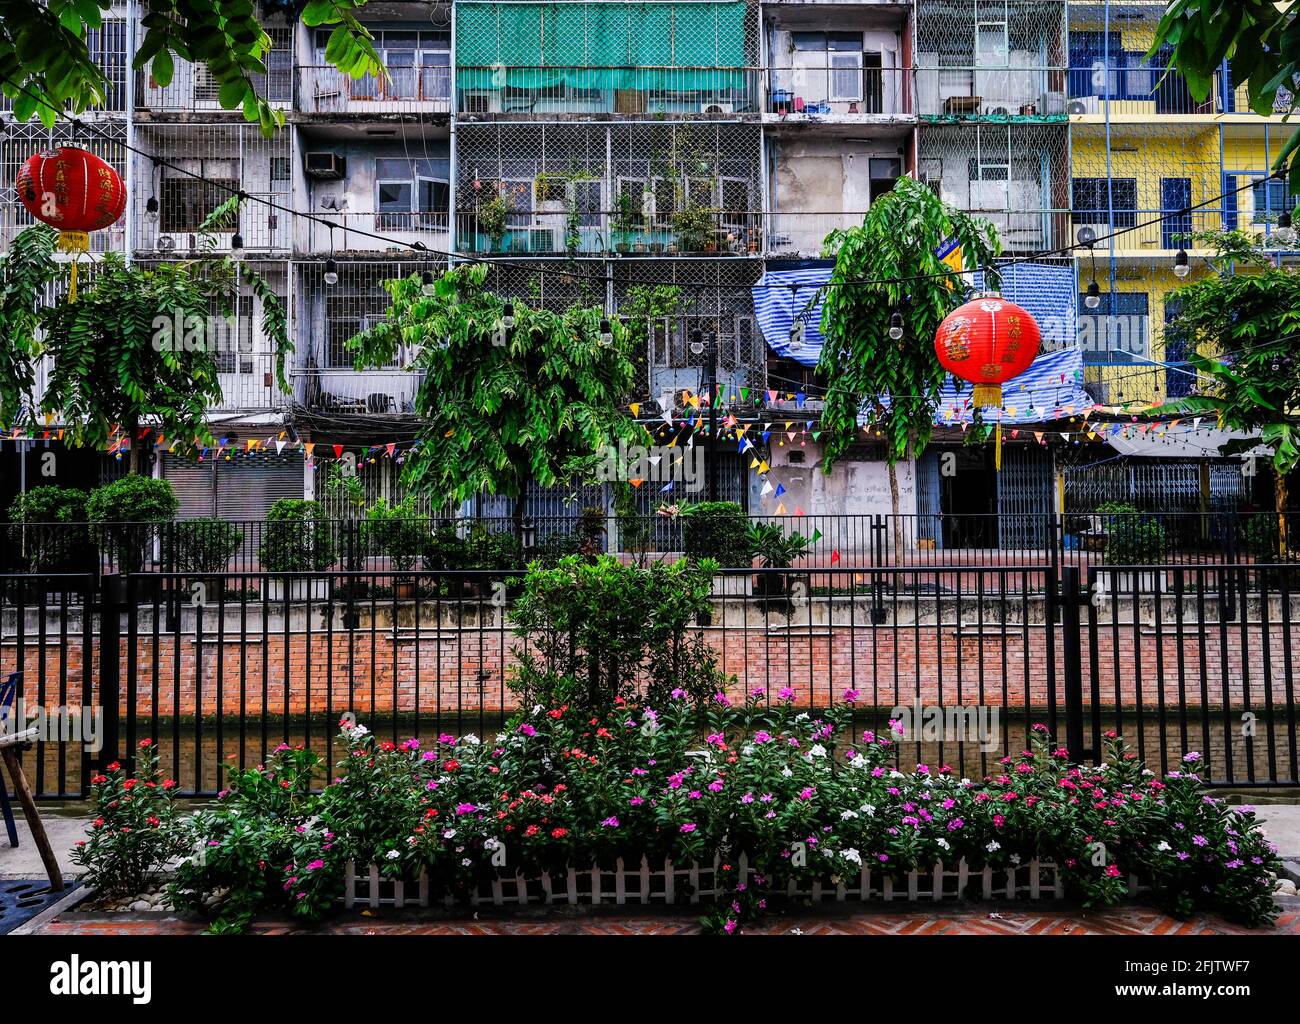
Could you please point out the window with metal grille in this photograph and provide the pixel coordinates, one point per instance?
(1093, 202)
(185, 202)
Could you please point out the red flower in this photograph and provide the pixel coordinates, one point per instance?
(559, 833)
(450, 765)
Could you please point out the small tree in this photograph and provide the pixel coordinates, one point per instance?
(501, 407)
(896, 381)
(1240, 333)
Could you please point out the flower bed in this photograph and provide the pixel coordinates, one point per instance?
(726, 805)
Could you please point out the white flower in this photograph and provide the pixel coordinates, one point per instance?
(1102, 767)
(1015, 858)
(802, 716)
(491, 844)
(786, 772)
(817, 750)
(965, 782)
(995, 845)
(537, 709)
(471, 739)
(449, 834)
(1162, 846)
(858, 761)
(466, 862)
(851, 855)
(393, 854)
(747, 749)
(846, 815)
(868, 809)
(360, 730)
(895, 775)
(501, 738)
(943, 844)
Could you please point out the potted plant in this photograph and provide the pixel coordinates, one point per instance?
(398, 531)
(693, 226)
(1133, 538)
(125, 518)
(716, 530)
(626, 220)
(774, 549)
(202, 549)
(298, 539)
(48, 532)
(492, 220)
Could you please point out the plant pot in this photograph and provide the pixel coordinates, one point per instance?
(298, 588)
(1123, 581)
(622, 247)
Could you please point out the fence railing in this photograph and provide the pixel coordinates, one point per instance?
(406, 90)
(466, 543)
(823, 89)
(221, 668)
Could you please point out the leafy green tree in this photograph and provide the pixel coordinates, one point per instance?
(1259, 39)
(135, 348)
(501, 407)
(45, 65)
(1240, 332)
(896, 382)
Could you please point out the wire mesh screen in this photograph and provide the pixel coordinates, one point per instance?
(1016, 173)
(198, 167)
(550, 188)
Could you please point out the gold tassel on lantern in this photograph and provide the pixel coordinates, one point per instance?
(75, 242)
(986, 395)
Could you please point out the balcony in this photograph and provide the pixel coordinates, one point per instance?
(15, 218)
(802, 234)
(696, 232)
(343, 391)
(175, 231)
(982, 93)
(248, 383)
(193, 90)
(354, 231)
(850, 94)
(1143, 232)
(407, 91)
(523, 93)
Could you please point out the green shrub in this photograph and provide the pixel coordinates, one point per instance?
(600, 630)
(1260, 536)
(54, 537)
(261, 845)
(715, 530)
(492, 551)
(297, 539)
(398, 531)
(125, 516)
(135, 831)
(773, 547)
(203, 545)
(1132, 537)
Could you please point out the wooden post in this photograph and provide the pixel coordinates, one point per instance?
(9, 752)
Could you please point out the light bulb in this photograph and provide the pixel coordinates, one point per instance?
(1181, 266)
(151, 210)
(508, 315)
(606, 333)
(236, 241)
(896, 325)
(331, 272)
(697, 342)
(426, 283)
(1093, 299)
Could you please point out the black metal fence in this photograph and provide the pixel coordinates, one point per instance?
(846, 541)
(221, 668)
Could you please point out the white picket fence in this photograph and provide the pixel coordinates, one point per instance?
(691, 883)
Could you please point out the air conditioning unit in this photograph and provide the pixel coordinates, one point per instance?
(717, 108)
(325, 166)
(1084, 105)
(996, 110)
(1051, 103)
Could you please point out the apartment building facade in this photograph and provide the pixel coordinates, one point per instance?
(588, 151)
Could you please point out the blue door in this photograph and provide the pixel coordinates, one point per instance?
(1175, 195)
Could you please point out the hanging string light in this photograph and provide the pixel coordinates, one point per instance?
(1181, 266)
(606, 333)
(896, 325)
(331, 268)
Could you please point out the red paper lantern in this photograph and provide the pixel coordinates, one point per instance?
(72, 190)
(987, 341)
